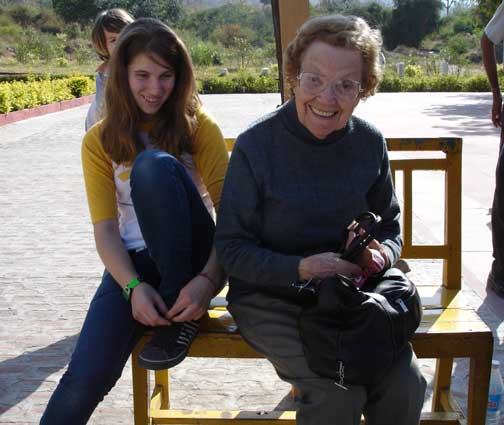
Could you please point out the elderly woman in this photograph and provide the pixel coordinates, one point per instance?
(296, 179)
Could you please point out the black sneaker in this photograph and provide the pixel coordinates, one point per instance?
(495, 284)
(169, 345)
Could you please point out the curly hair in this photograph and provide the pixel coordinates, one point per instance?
(337, 30)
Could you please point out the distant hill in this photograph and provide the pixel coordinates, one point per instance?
(213, 3)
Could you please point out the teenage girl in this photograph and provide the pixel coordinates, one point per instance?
(153, 169)
(107, 26)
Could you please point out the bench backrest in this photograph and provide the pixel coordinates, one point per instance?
(436, 154)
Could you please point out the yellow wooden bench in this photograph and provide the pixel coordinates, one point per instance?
(450, 327)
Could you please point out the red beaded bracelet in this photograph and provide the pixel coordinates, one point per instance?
(213, 282)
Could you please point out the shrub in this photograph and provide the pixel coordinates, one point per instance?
(27, 49)
(390, 83)
(80, 86)
(477, 83)
(5, 99)
(84, 54)
(243, 82)
(440, 83)
(205, 54)
(413, 71)
(62, 62)
(12, 30)
(18, 95)
(24, 15)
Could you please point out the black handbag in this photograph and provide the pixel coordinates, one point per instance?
(354, 336)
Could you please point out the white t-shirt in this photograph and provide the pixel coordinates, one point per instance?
(128, 221)
(495, 28)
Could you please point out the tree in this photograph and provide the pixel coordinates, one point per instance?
(77, 10)
(486, 9)
(448, 5)
(411, 21)
(170, 11)
(255, 20)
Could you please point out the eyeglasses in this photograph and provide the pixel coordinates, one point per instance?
(344, 89)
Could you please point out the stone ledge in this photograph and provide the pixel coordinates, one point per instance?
(24, 114)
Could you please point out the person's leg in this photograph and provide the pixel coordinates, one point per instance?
(178, 232)
(398, 398)
(106, 340)
(496, 276)
(176, 226)
(270, 326)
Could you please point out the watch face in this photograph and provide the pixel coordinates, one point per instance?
(126, 293)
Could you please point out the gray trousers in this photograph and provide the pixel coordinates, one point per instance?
(270, 326)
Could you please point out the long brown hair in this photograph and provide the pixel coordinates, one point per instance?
(175, 122)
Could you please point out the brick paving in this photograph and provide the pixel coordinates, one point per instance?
(49, 269)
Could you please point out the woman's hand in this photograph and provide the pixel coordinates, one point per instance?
(326, 264)
(147, 306)
(193, 300)
(366, 260)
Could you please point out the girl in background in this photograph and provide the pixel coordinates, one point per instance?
(153, 168)
(107, 26)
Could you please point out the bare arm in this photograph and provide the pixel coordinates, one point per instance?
(490, 65)
(146, 304)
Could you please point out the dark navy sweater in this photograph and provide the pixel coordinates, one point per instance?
(288, 195)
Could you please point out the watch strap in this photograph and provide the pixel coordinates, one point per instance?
(129, 288)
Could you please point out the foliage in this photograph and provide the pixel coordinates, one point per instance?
(411, 20)
(374, 13)
(39, 46)
(76, 10)
(413, 71)
(80, 86)
(205, 54)
(457, 47)
(84, 54)
(62, 62)
(19, 95)
(255, 22)
(441, 83)
(243, 82)
(228, 34)
(485, 10)
(170, 11)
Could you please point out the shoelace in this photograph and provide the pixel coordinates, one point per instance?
(188, 332)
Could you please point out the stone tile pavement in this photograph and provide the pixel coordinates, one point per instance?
(49, 268)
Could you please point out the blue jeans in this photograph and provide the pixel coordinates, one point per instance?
(178, 232)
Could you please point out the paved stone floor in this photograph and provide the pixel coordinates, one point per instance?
(49, 268)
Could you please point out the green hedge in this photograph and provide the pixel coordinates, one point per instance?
(445, 83)
(36, 77)
(240, 83)
(18, 95)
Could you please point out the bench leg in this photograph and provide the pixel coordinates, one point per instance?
(162, 380)
(479, 381)
(442, 381)
(140, 389)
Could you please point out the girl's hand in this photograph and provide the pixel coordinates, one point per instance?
(148, 307)
(193, 300)
(326, 264)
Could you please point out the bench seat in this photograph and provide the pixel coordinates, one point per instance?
(454, 330)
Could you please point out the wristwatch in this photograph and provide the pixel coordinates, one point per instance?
(129, 288)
